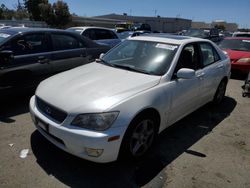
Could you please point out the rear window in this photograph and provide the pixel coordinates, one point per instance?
(99, 34)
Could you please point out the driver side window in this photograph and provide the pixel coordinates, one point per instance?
(189, 58)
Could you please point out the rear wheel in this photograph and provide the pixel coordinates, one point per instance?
(139, 137)
(220, 92)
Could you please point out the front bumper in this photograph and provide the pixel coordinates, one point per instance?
(75, 140)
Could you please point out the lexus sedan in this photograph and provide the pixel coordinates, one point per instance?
(238, 49)
(117, 105)
(29, 55)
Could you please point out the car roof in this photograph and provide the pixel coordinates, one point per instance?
(168, 38)
(15, 30)
(89, 27)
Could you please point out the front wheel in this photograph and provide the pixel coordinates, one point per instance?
(139, 137)
(220, 92)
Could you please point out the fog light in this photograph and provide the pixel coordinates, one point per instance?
(93, 152)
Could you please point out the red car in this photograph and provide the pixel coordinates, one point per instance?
(238, 49)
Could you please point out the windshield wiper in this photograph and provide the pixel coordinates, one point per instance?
(132, 68)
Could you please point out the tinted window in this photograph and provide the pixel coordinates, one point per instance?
(104, 34)
(64, 42)
(209, 54)
(29, 44)
(189, 58)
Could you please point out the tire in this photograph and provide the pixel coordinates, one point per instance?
(139, 137)
(220, 92)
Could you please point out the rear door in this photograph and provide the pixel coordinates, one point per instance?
(67, 52)
(31, 61)
(211, 72)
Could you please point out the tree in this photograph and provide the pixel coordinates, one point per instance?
(21, 12)
(33, 8)
(6, 13)
(62, 15)
(41, 10)
(47, 13)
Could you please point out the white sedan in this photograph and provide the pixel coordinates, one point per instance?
(117, 105)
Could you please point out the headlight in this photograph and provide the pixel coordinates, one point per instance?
(244, 60)
(98, 122)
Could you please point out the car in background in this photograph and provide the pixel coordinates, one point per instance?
(29, 55)
(100, 35)
(117, 105)
(141, 27)
(128, 34)
(206, 33)
(241, 34)
(238, 49)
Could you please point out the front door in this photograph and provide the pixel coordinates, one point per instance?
(185, 92)
(31, 61)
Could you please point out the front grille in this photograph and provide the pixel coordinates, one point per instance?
(50, 110)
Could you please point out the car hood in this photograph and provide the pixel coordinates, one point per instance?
(236, 55)
(93, 87)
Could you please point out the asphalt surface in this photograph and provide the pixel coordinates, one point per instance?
(209, 148)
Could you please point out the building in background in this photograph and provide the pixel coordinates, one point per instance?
(161, 24)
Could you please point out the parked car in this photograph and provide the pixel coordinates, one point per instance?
(98, 34)
(141, 27)
(206, 33)
(118, 104)
(28, 55)
(241, 34)
(238, 49)
(128, 34)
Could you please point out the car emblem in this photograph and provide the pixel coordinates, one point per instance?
(48, 110)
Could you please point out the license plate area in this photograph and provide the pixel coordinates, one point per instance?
(42, 124)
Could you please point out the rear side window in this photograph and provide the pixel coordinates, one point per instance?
(30, 44)
(209, 54)
(64, 42)
(99, 34)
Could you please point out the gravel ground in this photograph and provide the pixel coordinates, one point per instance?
(209, 148)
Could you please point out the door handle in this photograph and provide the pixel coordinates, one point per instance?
(42, 60)
(201, 75)
(220, 66)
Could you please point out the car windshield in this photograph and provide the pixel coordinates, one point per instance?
(142, 56)
(3, 37)
(236, 44)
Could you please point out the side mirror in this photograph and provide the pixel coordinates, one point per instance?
(6, 56)
(186, 73)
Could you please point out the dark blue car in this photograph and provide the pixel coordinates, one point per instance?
(29, 55)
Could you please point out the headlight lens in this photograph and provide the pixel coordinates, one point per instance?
(244, 60)
(98, 122)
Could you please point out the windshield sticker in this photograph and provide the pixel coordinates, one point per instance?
(166, 46)
(245, 40)
(4, 35)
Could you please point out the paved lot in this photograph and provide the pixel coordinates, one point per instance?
(209, 148)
